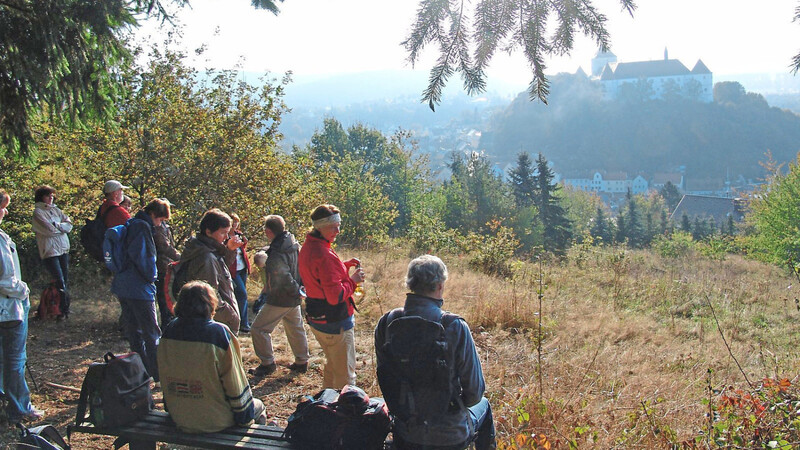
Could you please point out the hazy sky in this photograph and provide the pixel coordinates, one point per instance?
(317, 37)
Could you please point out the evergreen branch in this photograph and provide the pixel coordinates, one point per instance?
(269, 5)
(533, 27)
(493, 21)
(15, 7)
(563, 37)
(593, 22)
(426, 28)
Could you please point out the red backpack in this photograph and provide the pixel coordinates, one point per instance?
(174, 279)
(49, 303)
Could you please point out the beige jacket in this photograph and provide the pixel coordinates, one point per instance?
(51, 227)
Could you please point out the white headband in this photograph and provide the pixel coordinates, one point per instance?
(330, 220)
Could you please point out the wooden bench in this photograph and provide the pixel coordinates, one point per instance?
(158, 427)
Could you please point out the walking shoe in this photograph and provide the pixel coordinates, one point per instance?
(296, 367)
(34, 415)
(263, 370)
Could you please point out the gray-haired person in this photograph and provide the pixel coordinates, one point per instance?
(409, 349)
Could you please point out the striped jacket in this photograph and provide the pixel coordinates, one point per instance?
(204, 383)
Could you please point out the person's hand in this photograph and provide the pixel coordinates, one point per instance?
(358, 276)
(352, 262)
(234, 242)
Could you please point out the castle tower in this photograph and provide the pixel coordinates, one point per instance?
(601, 58)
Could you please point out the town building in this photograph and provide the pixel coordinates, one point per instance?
(661, 76)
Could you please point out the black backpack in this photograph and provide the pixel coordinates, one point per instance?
(116, 391)
(339, 420)
(42, 437)
(417, 375)
(94, 232)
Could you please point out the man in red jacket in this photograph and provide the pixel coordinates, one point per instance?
(116, 214)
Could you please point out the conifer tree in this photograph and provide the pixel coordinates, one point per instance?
(557, 228)
(601, 230)
(634, 232)
(622, 228)
(685, 224)
(521, 178)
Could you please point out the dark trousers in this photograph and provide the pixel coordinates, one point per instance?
(142, 331)
(240, 292)
(58, 267)
(480, 415)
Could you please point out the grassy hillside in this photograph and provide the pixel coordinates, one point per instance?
(629, 344)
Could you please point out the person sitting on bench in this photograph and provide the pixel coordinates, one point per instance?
(200, 362)
(429, 370)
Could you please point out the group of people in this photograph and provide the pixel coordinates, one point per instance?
(198, 357)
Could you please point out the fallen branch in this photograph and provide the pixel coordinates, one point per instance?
(62, 387)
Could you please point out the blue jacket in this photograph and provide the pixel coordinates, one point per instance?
(452, 428)
(137, 279)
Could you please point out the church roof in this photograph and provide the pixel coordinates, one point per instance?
(704, 207)
(700, 67)
(646, 69)
(607, 73)
(604, 54)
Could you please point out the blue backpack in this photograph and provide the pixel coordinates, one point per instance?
(114, 245)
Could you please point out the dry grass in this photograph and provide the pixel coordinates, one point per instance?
(627, 340)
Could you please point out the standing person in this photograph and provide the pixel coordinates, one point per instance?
(135, 285)
(466, 415)
(329, 305)
(51, 227)
(207, 256)
(165, 254)
(14, 307)
(205, 387)
(112, 213)
(240, 269)
(284, 291)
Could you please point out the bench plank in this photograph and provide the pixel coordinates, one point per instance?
(158, 427)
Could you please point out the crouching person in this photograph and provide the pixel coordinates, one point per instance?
(200, 362)
(428, 369)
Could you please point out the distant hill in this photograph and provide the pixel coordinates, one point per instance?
(388, 101)
(580, 132)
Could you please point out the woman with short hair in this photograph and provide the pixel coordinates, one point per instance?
(205, 386)
(51, 226)
(329, 301)
(207, 256)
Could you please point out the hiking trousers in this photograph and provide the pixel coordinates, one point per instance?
(340, 355)
(264, 324)
(142, 331)
(13, 345)
(58, 267)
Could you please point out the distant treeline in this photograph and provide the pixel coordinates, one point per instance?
(582, 132)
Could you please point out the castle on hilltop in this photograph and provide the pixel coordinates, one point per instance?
(660, 77)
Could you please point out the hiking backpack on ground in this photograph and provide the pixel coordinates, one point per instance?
(49, 303)
(174, 279)
(339, 420)
(116, 391)
(114, 247)
(42, 437)
(93, 233)
(417, 376)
